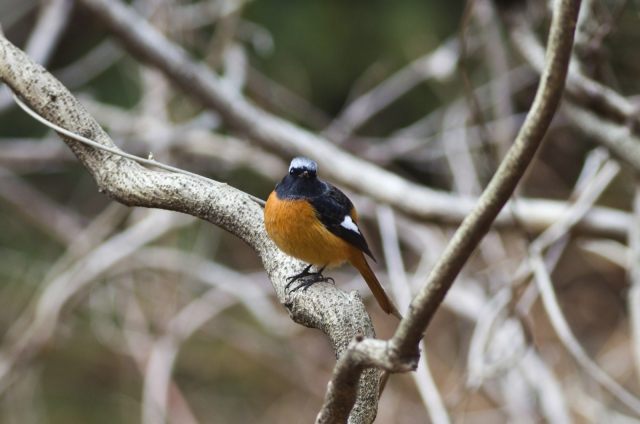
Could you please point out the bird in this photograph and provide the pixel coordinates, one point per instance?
(315, 222)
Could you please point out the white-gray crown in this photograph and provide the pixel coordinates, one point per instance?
(303, 163)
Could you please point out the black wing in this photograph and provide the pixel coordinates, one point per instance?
(332, 208)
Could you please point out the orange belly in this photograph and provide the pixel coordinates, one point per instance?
(295, 229)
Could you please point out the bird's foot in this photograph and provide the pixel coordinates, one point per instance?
(305, 273)
(305, 283)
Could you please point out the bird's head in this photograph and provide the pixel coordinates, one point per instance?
(302, 167)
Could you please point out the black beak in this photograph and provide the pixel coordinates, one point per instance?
(305, 174)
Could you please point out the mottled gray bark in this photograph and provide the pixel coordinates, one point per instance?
(339, 314)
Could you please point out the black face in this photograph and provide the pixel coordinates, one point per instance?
(299, 183)
(303, 173)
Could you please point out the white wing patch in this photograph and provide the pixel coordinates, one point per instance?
(349, 224)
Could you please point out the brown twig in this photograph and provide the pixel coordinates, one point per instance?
(580, 88)
(475, 226)
(148, 45)
(402, 350)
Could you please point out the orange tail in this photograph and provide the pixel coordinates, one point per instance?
(360, 263)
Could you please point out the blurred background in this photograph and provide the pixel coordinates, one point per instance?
(101, 305)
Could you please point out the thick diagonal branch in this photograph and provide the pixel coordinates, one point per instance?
(402, 349)
(501, 186)
(340, 315)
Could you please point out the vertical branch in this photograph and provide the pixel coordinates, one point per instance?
(634, 278)
(561, 327)
(502, 185)
(402, 350)
(402, 292)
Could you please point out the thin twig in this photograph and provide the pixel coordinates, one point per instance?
(61, 223)
(618, 138)
(402, 350)
(222, 278)
(134, 340)
(165, 350)
(338, 314)
(402, 293)
(148, 45)
(568, 339)
(597, 174)
(116, 151)
(502, 185)
(633, 275)
(439, 64)
(580, 87)
(58, 292)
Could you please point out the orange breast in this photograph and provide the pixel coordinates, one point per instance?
(295, 229)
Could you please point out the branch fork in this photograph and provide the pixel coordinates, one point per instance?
(353, 392)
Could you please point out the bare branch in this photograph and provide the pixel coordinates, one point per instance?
(58, 292)
(323, 306)
(618, 138)
(52, 19)
(475, 226)
(564, 333)
(580, 88)
(402, 350)
(439, 64)
(62, 223)
(88, 66)
(148, 45)
(361, 354)
(402, 292)
(165, 350)
(633, 275)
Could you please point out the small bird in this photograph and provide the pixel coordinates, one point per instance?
(316, 223)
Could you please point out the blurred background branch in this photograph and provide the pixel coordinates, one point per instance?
(136, 317)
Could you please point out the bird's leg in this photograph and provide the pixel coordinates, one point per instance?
(305, 283)
(305, 273)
